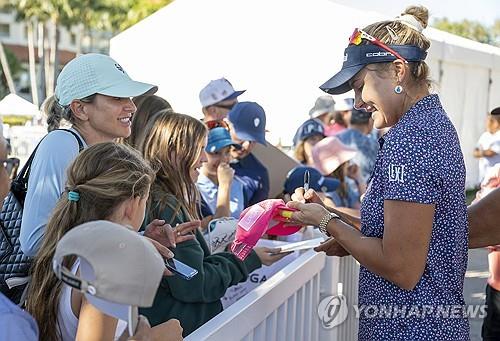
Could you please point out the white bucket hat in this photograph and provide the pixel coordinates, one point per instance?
(119, 269)
(95, 73)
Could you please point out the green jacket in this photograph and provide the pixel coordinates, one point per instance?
(196, 301)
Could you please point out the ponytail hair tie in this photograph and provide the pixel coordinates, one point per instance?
(73, 196)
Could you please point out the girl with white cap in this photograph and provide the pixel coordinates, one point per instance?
(93, 93)
(107, 181)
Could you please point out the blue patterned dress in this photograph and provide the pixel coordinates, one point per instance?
(419, 161)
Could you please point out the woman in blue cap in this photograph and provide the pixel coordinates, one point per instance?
(307, 135)
(412, 245)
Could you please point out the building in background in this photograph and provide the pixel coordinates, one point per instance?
(14, 36)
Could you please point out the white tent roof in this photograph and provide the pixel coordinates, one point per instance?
(281, 51)
(14, 105)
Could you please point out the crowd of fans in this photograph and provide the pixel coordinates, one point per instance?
(129, 158)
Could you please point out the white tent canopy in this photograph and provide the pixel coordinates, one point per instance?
(281, 51)
(14, 105)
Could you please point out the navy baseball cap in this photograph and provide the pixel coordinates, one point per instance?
(249, 122)
(307, 129)
(295, 179)
(219, 138)
(357, 56)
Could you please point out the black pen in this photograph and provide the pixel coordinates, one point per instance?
(306, 180)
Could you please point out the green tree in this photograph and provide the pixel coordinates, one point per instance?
(471, 30)
(16, 68)
(87, 15)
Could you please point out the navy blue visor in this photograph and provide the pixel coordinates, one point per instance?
(357, 56)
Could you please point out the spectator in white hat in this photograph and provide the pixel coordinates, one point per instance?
(106, 181)
(217, 98)
(323, 110)
(93, 93)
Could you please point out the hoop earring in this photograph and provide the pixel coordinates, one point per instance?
(398, 89)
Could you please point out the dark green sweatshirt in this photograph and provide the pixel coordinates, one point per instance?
(196, 301)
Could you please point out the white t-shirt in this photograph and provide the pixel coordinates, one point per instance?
(67, 321)
(492, 142)
(46, 183)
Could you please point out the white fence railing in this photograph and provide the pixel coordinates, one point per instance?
(285, 306)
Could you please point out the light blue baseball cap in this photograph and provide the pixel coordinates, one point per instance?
(95, 73)
(219, 138)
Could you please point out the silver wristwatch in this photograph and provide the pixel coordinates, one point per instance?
(324, 222)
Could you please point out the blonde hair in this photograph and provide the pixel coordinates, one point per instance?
(300, 153)
(397, 32)
(172, 145)
(56, 112)
(104, 175)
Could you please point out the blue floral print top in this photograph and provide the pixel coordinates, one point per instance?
(419, 161)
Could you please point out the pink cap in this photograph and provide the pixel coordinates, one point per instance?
(329, 153)
(255, 221)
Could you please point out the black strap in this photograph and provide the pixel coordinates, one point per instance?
(23, 175)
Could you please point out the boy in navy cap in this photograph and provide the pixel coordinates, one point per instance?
(248, 127)
(322, 185)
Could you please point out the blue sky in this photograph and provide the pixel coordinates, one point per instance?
(484, 11)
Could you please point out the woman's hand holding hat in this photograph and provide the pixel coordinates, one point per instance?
(307, 214)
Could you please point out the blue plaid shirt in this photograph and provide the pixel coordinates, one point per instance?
(420, 161)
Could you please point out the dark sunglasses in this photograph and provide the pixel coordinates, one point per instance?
(216, 124)
(11, 165)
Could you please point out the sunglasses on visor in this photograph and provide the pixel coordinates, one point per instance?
(358, 35)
